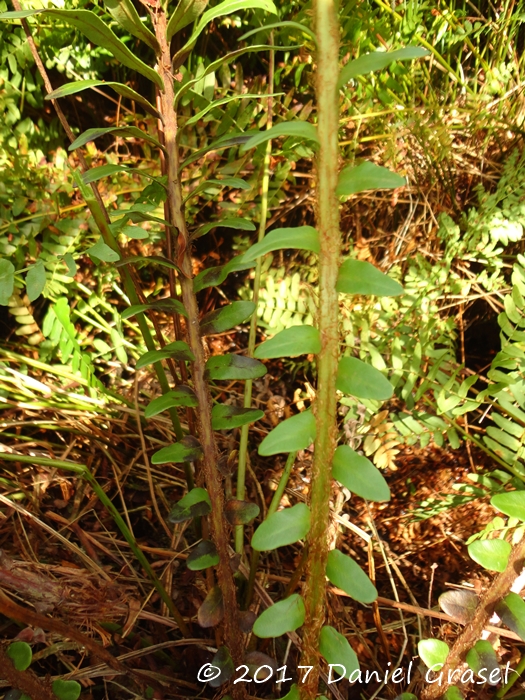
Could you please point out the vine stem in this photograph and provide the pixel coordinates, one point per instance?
(206, 435)
(243, 443)
(325, 407)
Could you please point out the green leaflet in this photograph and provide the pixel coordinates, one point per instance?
(299, 129)
(21, 654)
(203, 556)
(512, 612)
(336, 650)
(433, 652)
(226, 318)
(300, 237)
(346, 574)
(225, 100)
(482, 657)
(297, 340)
(103, 252)
(194, 504)
(124, 12)
(181, 396)
(66, 690)
(362, 380)
(226, 417)
(186, 450)
(120, 89)
(282, 528)
(186, 12)
(99, 33)
(214, 276)
(35, 280)
(367, 176)
(512, 503)
(361, 277)
(234, 367)
(295, 433)
(490, 554)
(131, 131)
(359, 475)
(285, 616)
(7, 281)
(377, 61)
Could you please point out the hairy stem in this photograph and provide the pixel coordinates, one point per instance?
(206, 436)
(327, 30)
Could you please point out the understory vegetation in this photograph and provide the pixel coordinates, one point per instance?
(262, 349)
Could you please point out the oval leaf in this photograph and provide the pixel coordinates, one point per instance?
(241, 512)
(337, 651)
(460, 604)
(490, 554)
(282, 528)
(482, 657)
(285, 616)
(433, 652)
(186, 450)
(7, 281)
(377, 61)
(362, 380)
(300, 237)
(226, 318)
(178, 350)
(194, 504)
(301, 130)
(66, 690)
(234, 367)
(181, 396)
(367, 176)
(361, 277)
(297, 340)
(225, 417)
(21, 655)
(359, 475)
(214, 276)
(103, 252)
(211, 611)
(223, 661)
(346, 574)
(295, 433)
(512, 503)
(203, 556)
(512, 613)
(35, 280)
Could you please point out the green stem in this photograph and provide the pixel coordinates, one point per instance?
(83, 471)
(516, 673)
(243, 446)
(327, 30)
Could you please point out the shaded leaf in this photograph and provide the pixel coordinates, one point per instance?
(512, 613)
(223, 661)
(124, 131)
(120, 89)
(362, 380)
(150, 259)
(460, 604)
(282, 528)
(241, 512)
(346, 574)
(211, 611)
(178, 350)
(246, 620)
(214, 276)
(367, 176)
(234, 367)
(35, 280)
(490, 554)
(226, 417)
(203, 556)
(66, 690)
(512, 503)
(194, 504)
(282, 617)
(227, 317)
(482, 657)
(299, 237)
(167, 305)
(260, 666)
(453, 693)
(295, 433)
(186, 450)
(377, 61)
(336, 650)
(359, 475)
(103, 252)
(290, 342)
(231, 222)
(7, 281)
(181, 396)
(124, 12)
(186, 12)
(361, 277)
(97, 173)
(301, 130)
(21, 655)
(433, 652)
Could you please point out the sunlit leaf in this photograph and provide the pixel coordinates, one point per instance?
(181, 396)
(234, 367)
(227, 317)
(186, 450)
(362, 380)
(66, 690)
(361, 277)
(225, 417)
(433, 652)
(303, 131)
(203, 556)
(124, 131)
(236, 223)
(299, 237)
(120, 89)
(282, 528)
(21, 655)
(346, 574)
(124, 12)
(186, 12)
(367, 176)
(483, 658)
(490, 554)
(7, 281)
(195, 503)
(103, 252)
(297, 340)
(359, 475)
(512, 613)
(377, 61)
(512, 503)
(178, 350)
(334, 647)
(295, 433)
(35, 280)
(282, 617)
